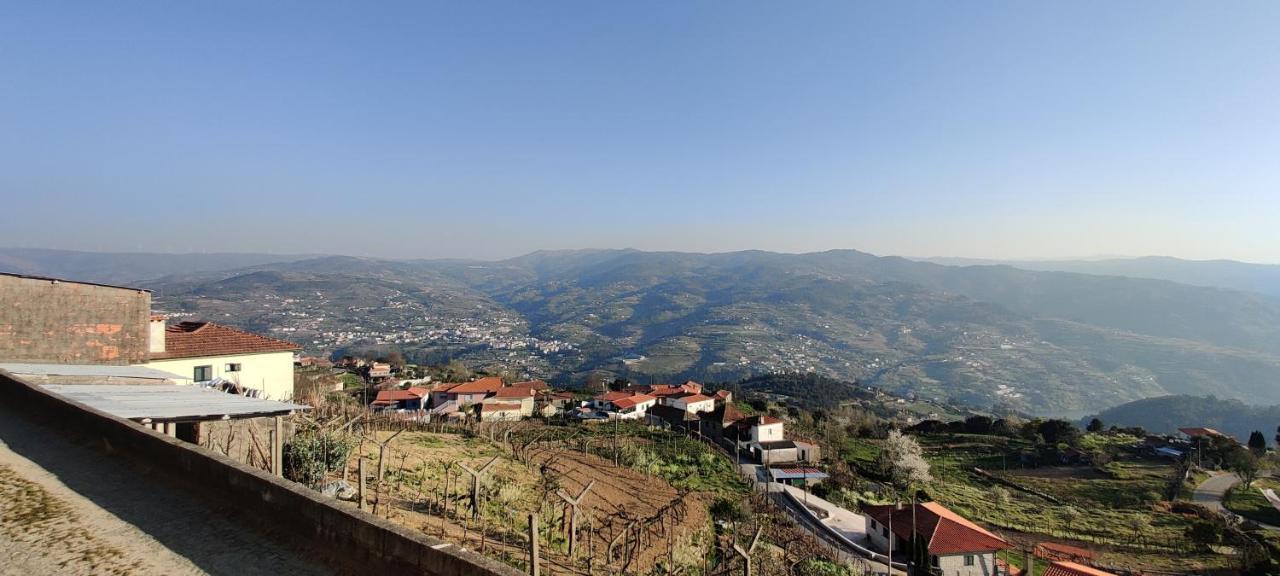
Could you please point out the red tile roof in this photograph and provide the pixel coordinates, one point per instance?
(197, 339)
(498, 407)
(389, 397)
(1072, 569)
(722, 394)
(515, 392)
(536, 385)
(947, 532)
(1193, 432)
(692, 398)
(631, 401)
(487, 385)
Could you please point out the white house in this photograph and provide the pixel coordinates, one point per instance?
(692, 403)
(204, 351)
(498, 411)
(764, 429)
(518, 395)
(956, 546)
(632, 407)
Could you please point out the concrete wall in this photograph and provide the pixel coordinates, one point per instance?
(337, 532)
(71, 323)
(271, 372)
(983, 565)
(767, 432)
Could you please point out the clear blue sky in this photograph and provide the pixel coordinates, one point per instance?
(489, 129)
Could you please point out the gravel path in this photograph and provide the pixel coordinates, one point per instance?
(68, 508)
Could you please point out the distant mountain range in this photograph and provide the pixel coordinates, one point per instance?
(1166, 414)
(1052, 342)
(1229, 274)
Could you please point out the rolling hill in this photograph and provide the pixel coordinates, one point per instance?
(1049, 342)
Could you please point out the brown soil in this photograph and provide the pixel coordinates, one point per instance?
(620, 496)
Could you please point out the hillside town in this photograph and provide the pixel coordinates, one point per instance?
(862, 486)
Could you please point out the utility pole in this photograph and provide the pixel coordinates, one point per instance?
(888, 558)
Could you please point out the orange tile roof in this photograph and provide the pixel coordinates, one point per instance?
(692, 398)
(537, 385)
(515, 392)
(1062, 568)
(487, 385)
(498, 407)
(196, 339)
(1200, 432)
(632, 401)
(946, 531)
(391, 396)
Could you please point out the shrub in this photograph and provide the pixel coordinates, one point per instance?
(311, 454)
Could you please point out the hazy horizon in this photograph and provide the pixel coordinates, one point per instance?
(1004, 130)
(1095, 257)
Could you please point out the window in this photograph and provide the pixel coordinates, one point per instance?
(884, 532)
(232, 367)
(203, 373)
(968, 559)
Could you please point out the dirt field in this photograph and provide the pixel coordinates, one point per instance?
(426, 489)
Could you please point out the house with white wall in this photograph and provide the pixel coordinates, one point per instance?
(203, 351)
(956, 546)
(692, 403)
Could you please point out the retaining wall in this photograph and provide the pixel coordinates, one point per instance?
(339, 532)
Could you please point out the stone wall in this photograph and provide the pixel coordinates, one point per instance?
(58, 322)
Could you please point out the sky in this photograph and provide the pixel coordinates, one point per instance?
(487, 129)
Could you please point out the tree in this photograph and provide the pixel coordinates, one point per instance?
(1257, 443)
(1244, 464)
(1095, 425)
(1059, 432)
(903, 460)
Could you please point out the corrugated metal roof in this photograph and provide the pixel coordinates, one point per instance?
(21, 368)
(169, 402)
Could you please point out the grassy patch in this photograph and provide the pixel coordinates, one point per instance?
(1250, 503)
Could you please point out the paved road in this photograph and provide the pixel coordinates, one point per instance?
(67, 507)
(1211, 492)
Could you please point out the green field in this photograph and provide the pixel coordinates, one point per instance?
(1116, 510)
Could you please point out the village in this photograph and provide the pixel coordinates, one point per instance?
(657, 478)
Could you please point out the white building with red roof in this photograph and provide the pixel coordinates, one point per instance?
(204, 351)
(691, 403)
(955, 545)
(521, 396)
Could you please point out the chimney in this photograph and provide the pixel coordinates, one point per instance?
(155, 338)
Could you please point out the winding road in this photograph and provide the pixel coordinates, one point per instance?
(1211, 492)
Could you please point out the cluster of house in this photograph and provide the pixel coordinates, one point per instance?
(485, 399)
(712, 416)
